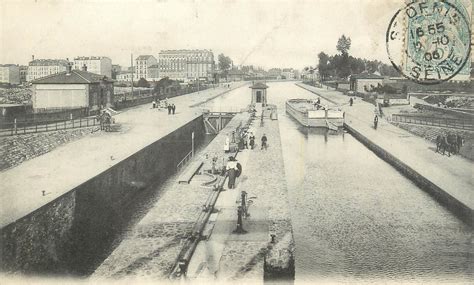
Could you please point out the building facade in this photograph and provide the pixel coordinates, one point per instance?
(124, 76)
(186, 64)
(9, 74)
(142, 64)
(153, 73)
(38, 68)
(23, 73)
(96, 64)
(72, 89)
(116, 69)
(288, 73)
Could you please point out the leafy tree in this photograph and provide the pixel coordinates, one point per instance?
(224, 63)
(343, 45)
(323, 65)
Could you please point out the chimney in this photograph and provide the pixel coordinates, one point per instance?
(84, 67)
(69, 68)
(32, 57)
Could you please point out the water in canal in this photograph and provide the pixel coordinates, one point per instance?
(355, 218)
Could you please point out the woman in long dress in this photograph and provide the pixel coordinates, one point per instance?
(227, 144)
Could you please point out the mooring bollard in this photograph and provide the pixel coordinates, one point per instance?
(243, 198)
(240, 226)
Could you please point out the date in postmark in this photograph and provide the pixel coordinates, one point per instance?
(429, 41)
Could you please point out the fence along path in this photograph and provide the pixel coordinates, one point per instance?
(19, 128)
(465, 124)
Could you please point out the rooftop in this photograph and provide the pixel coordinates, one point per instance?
(259, 85)
(74, 77)
(90, 57)
(44, 62)
(171, 51)
(144, 57)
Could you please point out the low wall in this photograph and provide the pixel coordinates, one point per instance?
(455, 206)
(74, 233)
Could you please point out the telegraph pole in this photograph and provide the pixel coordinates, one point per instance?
(131, 61)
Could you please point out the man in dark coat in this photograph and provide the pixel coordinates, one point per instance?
(231, 172)
(169, 109)
(264, 142)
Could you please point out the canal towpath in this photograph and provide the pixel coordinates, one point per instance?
(74, 163)
(227, 256)
(453, 174)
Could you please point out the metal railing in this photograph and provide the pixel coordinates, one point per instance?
(20, 128)
(464, 124)
(185, 160)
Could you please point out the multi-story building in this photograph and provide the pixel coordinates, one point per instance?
(9, 73)
(38, 68)
(186, 64)
(23, 73)
(142, 63)
(95, 64)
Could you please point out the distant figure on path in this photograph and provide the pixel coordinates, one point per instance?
(318, 101)
(169, 109)
(264, 142)
(231, 172)
(227, 144)
(351, 101)
(376, 121)
(153, 104)
(173, 108)
(251, 141)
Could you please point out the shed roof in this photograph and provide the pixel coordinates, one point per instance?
(74, 77)
(259, 85)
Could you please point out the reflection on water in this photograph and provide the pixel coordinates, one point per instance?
(354, 216)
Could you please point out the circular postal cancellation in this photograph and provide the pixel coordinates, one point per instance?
(430, 41)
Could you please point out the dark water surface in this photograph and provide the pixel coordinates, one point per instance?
(355, 218)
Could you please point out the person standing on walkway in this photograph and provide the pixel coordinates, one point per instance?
(169, 109)
(231, 172)
(173, 108)
(351, 101)
(376, 121)
(227, 144)
(251, 141)
(264, 142)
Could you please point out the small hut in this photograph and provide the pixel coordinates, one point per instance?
(259, 94)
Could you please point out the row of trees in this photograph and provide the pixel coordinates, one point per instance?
(342, 65)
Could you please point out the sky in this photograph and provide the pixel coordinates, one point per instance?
(261, 33)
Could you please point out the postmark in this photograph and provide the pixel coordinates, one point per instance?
(430, 41)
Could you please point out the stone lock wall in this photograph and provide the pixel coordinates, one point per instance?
(74, 233)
